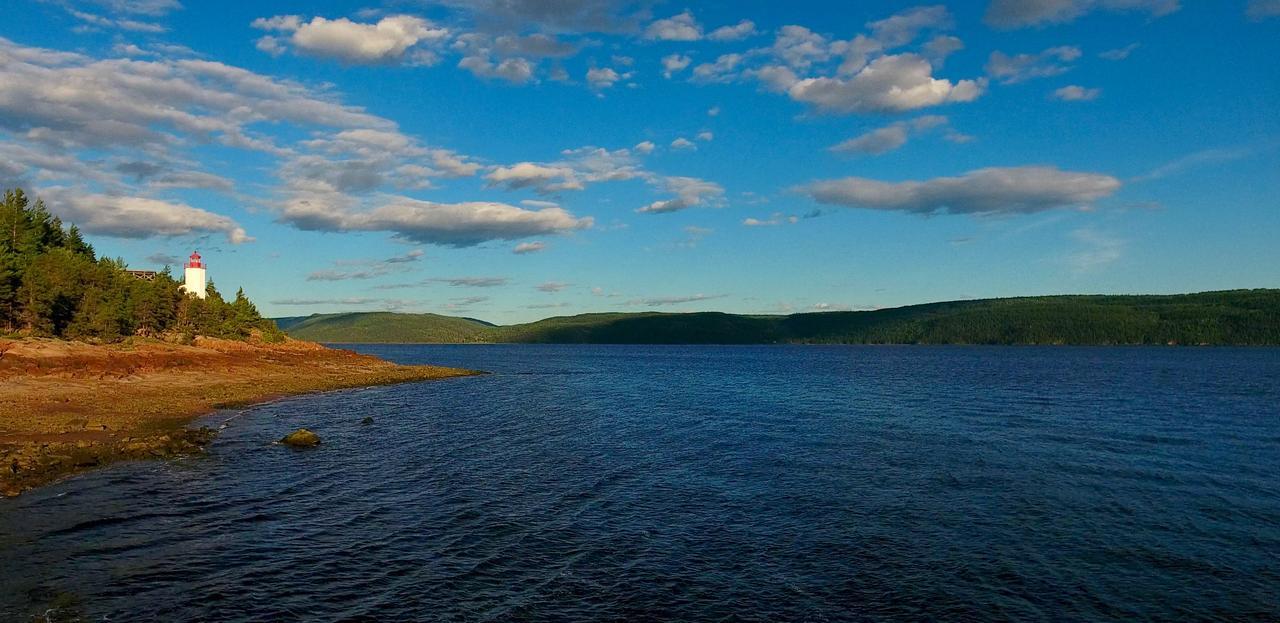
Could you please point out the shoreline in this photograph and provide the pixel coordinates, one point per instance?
(858, 344)
(69, 407)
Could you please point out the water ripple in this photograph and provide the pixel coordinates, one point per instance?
(702, 483)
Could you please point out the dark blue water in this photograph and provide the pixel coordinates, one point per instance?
(628, 483)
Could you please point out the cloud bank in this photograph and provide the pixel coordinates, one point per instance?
(991, 191)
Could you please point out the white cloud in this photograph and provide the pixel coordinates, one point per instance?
(559, 74)
(363, 159)
(714, 111)
(722, 70)
(282, 23)
(1022, 13)
(514, 70)
(389, 304)
(940, 47)
(533, 175)
(153, 8)
(674, 63)
(579, 167)
(538, 203)
(139, 217)
(867, 78)
(473, 282)
(191, 179)
(890, 137)
(1076, 93)
(663, 301)
(367, 269)
(536, 45)
(682, 27)
(1021, 67)
(93, 22)
(164, 259)
(894, 83)
(741, 30)
(1011, 190)
(525, 248)
(777, 218)
(551, 287)
(690, 192)
(611, 16)
(706, 135)
(270, 45)
(799, 48)
(1119, 54)
(603, 77)
(143, 123)
(58, 109)
(774, 78)
(683, 143)
(878, 141)
(464, 303)
(644, 147)
(73, 100)
(451, 164)
(385, 41)
(903, 28)
(428, 222)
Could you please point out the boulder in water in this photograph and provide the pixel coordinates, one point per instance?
(301, 438)
(367, 421)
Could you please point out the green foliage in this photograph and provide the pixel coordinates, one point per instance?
(51, 284)
(1237, 317)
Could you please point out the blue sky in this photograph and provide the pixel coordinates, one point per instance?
(516, 159)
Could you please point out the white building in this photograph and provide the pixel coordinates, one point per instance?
(195, 276)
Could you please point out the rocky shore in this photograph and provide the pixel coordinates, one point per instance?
(66, 407)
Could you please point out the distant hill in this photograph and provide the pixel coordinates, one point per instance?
(1243, 317)
(386, 327)
(287, 322)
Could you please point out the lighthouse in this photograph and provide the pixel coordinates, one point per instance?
(195, 276)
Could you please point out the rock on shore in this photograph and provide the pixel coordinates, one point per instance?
(301, 438)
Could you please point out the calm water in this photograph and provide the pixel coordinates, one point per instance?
(624, 483)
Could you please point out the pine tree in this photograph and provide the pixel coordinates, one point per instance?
(244, 315)
(154, 304)
(10, 281)
(103, 314)
(74, 241)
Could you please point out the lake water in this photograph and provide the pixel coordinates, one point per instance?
(632, 483)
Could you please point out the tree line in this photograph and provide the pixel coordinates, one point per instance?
(52, 284)
(1235, 317)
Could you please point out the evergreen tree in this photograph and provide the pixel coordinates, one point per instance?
(75, 242)
(10, 281)
(52, 284)
(51, 291)
(244, 314)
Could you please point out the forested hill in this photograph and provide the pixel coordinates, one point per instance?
(52, 284)
(1235, 317)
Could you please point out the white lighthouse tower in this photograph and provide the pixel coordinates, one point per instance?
(195, 276)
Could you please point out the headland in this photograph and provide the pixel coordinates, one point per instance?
(66, 407)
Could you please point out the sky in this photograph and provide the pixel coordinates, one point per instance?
(511, 160)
